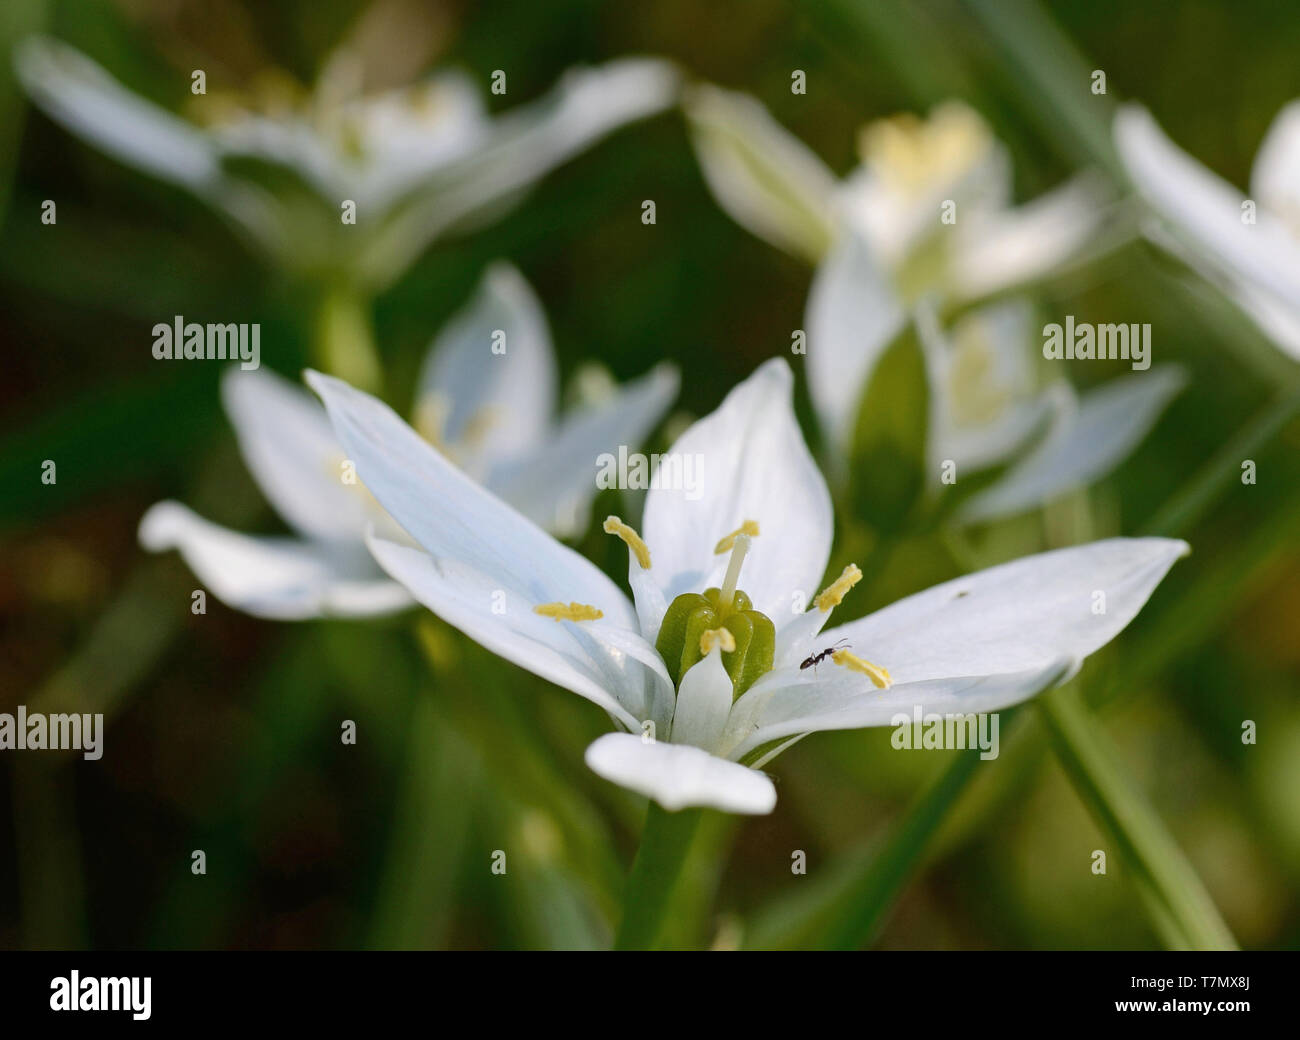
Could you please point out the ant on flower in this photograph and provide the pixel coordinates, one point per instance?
(812, 660)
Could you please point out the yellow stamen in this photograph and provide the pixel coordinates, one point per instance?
(613, 525)
(717, 638)
(854, 663)
(834, 593)
(749, 527)
(569, 611)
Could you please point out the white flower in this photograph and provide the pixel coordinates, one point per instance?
(417, 162)
(883, 252)
(986, 409)
(1251, 252)
(894, 201)
(760, 532)
(494, 413)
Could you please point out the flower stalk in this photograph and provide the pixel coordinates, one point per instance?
(665, 842)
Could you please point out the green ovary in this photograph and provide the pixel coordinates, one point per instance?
(692, 614)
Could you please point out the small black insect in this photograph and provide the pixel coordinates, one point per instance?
(814, 659)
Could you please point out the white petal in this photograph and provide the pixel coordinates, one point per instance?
(678, 776)
(853, 315)
(1084, 444)
(92, 104)
(290, 448)
(455, 519)
(407, 134)
(995, 250)
(284, 579)
(703, 703)
(499, 404)
(1205, 208)
(755, 466)
(647, 596)
(766, 179)
(850, 701)
(524, 145)
(1275, 178)
(554, 486)
(503, 620)
(1279, 319)
(1016, 617)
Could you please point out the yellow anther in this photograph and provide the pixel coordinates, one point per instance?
(569, 611)
(854, 663)
(613, 525)
(749, 527)
(717, 638)
(834, 593)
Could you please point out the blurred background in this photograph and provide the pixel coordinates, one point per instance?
(223, 731)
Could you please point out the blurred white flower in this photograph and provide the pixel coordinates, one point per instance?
(708, 687)
(1248, 246)
(987, 406)
(417, 162)
(884, 251)
(895, 201)
(492, 412)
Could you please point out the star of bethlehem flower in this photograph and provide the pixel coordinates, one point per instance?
(418, 162)
(700, 671)
(1249, 247)
(884, 254)
(486, 395)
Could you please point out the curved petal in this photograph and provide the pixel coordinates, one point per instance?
(93, 105)
(523, 146)
(1205, 208)
(503, 621)
(1275, 177)
(492, 376)
(407, 134)
(283, 579)
(1084, 444)
(1015, 617)
(997, 250)
(290, 448)
(554, 486)
(853, 314)
(1277, 318)
(455, 519)
(679, 776)
(849, 701)
(765, 178)
(755, 466)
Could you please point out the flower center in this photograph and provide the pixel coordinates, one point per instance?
(723, 618)
(914, 155)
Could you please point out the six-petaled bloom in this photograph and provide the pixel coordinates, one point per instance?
(700, 669)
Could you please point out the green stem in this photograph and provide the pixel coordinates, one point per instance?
(1181, 908)
(665, 842)
(345, 344)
